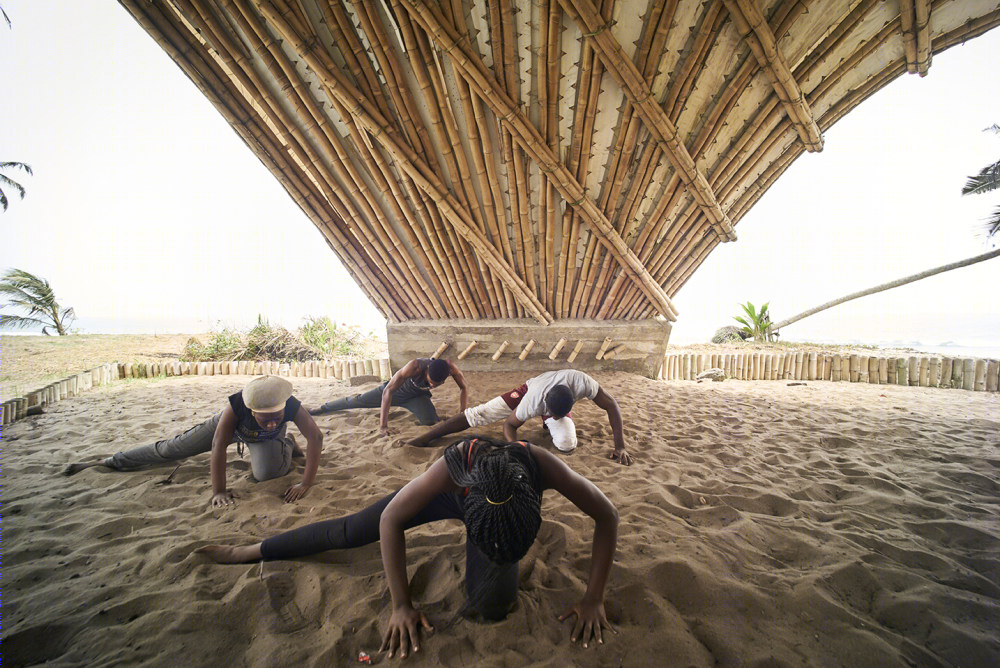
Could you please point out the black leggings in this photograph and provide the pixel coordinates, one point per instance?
(355, 530)
(491, 588)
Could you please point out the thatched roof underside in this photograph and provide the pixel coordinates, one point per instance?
(548, 159)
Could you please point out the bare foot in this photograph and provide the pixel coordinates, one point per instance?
(73, 469)
(231, 554)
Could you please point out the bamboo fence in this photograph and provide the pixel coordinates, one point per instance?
(105, 374)
(973, 374)
(553, 159)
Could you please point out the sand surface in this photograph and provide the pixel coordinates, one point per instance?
(761, 525)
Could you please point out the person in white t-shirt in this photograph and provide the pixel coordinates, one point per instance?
(550, 395)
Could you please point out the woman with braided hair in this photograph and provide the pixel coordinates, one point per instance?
(496, 490)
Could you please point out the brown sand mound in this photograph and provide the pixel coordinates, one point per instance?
(762, 525)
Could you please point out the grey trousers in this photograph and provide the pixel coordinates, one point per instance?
(268, 459)
(420, 405)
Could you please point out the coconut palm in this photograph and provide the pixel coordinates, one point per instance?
(32, 294)
(986, 180)
(7, 181)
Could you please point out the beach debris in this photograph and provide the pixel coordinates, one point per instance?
(170, 478)
(793, 384)
(363, 657)
(715, 374)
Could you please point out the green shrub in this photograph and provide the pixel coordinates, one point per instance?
(318, 338)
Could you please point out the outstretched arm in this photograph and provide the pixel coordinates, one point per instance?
(460, 381)
(217, 464)
(510, 427)
(314, 446)
(590, 617)
(404, 623)
(608, 403)
(409, 370)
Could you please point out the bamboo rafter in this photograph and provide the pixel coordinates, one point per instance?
(491, 159)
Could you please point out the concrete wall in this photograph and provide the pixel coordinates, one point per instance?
(639, 345)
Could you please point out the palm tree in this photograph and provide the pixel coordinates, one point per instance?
(986, 180)
(34, 295)
(7, 181)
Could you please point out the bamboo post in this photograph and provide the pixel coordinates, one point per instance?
(968, 374)
(284, 369)
(992, 375)
(527, 349)
(499, 352)
(902, 371)
(385, 371)
(957, 373)
(946, 366)
(685, 367)
(557, 349)
(576, 351)
(980, 375)
(925, 372)
(440, 349)
(604, 347)
(890, 372)
(863, 369)
(913, 369)
(836, 368)
(370, 367)
(788, 368)
(873, 370)
(468, 349)
(883, 370)
(767, 365)
(854, 368)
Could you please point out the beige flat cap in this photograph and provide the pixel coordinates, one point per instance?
(267, 394)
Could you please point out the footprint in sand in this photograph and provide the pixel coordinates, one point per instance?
(281, 593)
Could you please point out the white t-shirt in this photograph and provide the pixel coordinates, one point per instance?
(532, 405)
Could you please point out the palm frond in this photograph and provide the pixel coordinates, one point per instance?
(5, 17)
(19, 321)
(986, 180)
(16, 165)
(992, 225)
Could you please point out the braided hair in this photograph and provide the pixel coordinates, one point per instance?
(502, 508)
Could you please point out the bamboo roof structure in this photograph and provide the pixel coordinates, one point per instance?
(551, 159)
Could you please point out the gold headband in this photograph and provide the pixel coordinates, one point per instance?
(494, 503)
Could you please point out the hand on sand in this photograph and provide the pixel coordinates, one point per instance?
(621, 456)
(590, 622)
(385, 431)
(296, 492)
(404, 630)
(224, 498)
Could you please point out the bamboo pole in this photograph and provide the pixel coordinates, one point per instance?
(576, 351)
(499, 352)
(440, 349)
(527, 349)
(946, 370)
(554, 353)
(603, 348)
(468, 349)
(992, 375)
(913, 369)
(968, 374)
(924, 372)
(902, 371)
(614, 351)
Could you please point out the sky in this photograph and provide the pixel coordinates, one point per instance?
(147, 213)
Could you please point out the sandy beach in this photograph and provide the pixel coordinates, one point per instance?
(825, 524)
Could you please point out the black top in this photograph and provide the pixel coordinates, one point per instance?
(247, 429)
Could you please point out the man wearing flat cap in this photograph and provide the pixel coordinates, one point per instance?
(257, 417)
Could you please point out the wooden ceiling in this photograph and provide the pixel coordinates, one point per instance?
(546, 159)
